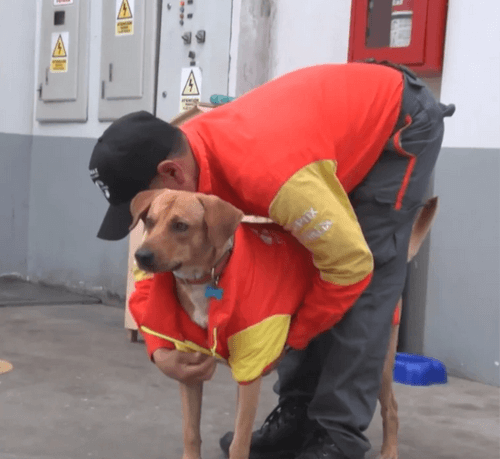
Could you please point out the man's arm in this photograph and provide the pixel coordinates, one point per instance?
(313, 205)
(185, 367)
(138, 304)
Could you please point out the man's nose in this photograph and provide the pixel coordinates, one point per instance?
(145, 258)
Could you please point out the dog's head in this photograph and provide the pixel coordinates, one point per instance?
(183, 229)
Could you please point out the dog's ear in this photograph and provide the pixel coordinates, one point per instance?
(422, 225)
(139, 206)
(221, 218)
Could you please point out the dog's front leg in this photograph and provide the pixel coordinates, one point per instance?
(248, 399)
(191, 396)
(388, 405)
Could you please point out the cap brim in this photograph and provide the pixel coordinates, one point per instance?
(116, 223)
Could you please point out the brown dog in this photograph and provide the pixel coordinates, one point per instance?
(388, 405)
(191, 235)
(193, 254)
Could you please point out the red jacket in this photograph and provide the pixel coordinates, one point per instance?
(263, 285)
(292, 150)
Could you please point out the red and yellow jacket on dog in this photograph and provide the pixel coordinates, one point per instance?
(263, 284)
(292, 149)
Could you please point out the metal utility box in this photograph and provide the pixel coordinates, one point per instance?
(128, 57)
(62, 68)
(194, 54)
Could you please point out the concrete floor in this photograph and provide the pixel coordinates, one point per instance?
(80, 390)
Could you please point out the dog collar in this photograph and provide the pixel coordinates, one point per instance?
(214, 274)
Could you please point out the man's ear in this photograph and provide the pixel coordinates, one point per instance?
(139, 206)
(171, 173)
(221, 218)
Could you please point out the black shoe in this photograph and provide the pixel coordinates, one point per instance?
(321, 446)
(282, 435)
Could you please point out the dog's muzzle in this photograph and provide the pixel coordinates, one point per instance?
(145, 259)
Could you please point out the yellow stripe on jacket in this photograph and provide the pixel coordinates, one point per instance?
(313, 205)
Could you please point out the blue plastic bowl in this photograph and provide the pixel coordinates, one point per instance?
(417, 370)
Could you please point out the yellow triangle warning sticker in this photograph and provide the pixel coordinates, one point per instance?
(59, 49)
(124, 12)
(191, 88)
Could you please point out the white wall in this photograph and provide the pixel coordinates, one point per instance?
(308, 33)
(17, 38)
(462, 318)
(471, 73)
(462, 300)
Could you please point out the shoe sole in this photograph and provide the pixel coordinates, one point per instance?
(275, 455)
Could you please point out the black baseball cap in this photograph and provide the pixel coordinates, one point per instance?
(123, 163)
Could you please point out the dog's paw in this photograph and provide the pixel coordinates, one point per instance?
(389, 452)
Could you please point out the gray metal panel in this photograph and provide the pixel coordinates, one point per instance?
(128, 61)
(212, 56)
(59, 40)
(62, 68)
(122, 56)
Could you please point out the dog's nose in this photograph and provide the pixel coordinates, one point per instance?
(145, 258)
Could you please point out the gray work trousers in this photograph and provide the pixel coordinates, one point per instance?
(340, 372)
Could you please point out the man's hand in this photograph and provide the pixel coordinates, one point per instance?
(185, 367)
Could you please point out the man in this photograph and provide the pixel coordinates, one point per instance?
(341, 156)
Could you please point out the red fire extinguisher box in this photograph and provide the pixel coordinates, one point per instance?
(408, 32)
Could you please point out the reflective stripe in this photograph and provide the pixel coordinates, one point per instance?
(184, 346)
(214, 347)
(412, 159)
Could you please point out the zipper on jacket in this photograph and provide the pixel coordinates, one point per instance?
(213, 349)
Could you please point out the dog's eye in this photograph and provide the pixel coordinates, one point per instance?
(180, 227)
(148, 223)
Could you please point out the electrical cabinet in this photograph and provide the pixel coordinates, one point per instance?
(62, 84)
(194, 54)
(408, 32)
(128, 57)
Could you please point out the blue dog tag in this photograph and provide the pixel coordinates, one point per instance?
(213, 292)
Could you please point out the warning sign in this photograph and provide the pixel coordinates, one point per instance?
(59, 56)
(124, 17)
(190, 88)
(59, 49)
(124, 12)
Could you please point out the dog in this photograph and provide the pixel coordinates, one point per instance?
(388, 405)
(191, 235)
(197, 239)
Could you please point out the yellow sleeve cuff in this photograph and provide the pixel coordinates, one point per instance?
(254, 348)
